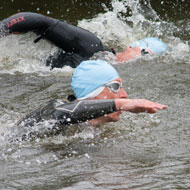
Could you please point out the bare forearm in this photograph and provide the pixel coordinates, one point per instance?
(138, 105)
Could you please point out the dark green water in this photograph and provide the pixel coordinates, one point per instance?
(138, 152)
(70, 10)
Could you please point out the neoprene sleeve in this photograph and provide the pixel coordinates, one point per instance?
(64, 35)
(26, 21)
(70, 113)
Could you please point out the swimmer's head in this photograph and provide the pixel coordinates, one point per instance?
(145, 46)
(155, 45)
(90, 77)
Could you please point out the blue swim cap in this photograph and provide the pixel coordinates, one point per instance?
(153, 44)
(90, 75)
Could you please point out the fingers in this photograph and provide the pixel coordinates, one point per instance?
(153, 107)
(160, 106)
(152, 110)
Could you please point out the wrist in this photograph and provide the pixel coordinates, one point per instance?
(122, 104)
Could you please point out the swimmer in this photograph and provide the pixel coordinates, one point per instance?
(76, 44)
(100, 98)
(150, 45)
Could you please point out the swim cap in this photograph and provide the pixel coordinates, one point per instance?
(91, 75)
(153, 44)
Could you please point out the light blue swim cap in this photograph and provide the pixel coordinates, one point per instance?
(153, 44)
(90, 75)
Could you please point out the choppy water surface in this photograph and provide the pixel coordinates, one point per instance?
(138, 152)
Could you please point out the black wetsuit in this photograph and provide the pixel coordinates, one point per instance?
(67, 113)
(78, 44)
(63, 114)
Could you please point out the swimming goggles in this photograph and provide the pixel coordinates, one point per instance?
(144, 52)
(114, 86)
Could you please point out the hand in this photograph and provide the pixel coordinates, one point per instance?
(138, 105)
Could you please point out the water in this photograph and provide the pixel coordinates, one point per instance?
(138, 152)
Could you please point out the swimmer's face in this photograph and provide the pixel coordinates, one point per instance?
(130, 53)
(107, 93)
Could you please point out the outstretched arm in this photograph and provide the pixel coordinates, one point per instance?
(81, 111)
(68, 37)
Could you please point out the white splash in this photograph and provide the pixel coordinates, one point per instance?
(18, 53)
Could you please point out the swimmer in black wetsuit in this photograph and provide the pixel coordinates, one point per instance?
(100, 98)
(77, 44)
